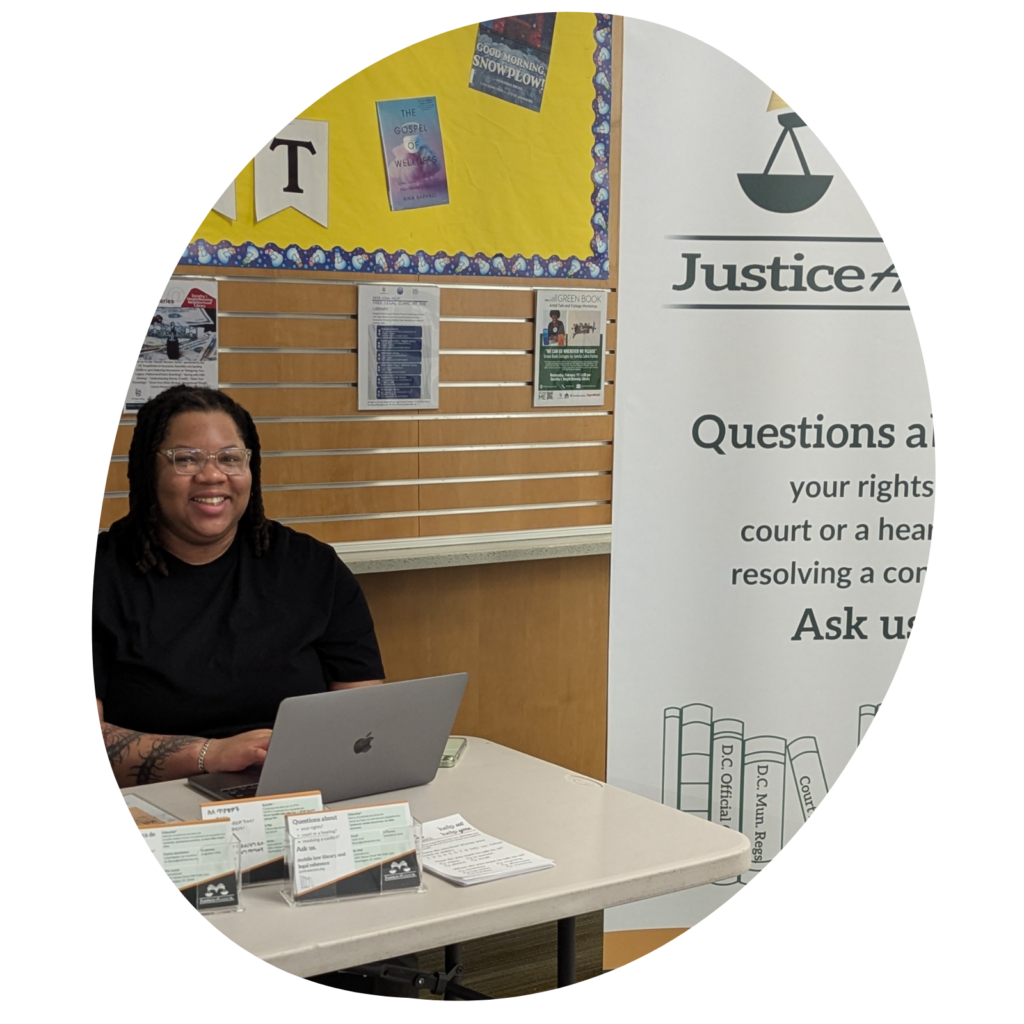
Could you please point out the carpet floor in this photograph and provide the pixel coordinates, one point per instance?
(522, 962)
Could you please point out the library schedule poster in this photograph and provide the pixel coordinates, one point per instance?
(773, 511)
(398, 346)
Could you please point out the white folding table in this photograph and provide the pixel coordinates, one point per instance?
(609, 847)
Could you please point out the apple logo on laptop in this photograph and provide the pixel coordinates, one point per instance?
(362, 745)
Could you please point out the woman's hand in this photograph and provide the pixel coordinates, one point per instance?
(236, 753)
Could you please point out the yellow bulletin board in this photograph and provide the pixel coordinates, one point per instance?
(528, 191)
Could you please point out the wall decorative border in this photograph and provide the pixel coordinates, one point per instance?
(459, 264)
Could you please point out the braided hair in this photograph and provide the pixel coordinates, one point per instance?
(143, 519)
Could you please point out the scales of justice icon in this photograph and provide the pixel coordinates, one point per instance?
(796, 193)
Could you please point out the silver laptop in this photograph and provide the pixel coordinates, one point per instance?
(351, 743)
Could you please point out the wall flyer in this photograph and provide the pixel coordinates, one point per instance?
(181, 342)
(398, 346)
(410, 135)
(569, 342)
(512, 57)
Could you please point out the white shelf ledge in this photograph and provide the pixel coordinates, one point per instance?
(473, 549)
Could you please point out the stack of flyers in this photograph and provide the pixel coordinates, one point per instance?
(457, 852)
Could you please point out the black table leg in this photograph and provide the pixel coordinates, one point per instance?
(452, 957)
(566, 951)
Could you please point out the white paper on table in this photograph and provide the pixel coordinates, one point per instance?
(455, 850)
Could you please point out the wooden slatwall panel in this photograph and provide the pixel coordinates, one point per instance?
(485, 460)
(533, 635)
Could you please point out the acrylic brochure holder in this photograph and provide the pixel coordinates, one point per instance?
(219, 864)
(208, 874)
(135, 813)
(367, 862)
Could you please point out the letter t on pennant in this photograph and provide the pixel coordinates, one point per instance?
(291, 171)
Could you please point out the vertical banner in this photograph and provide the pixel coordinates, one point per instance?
(569, 342)
(774, 465)
(398, 346)
(181, 342)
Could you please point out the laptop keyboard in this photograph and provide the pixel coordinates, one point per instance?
(238, 792)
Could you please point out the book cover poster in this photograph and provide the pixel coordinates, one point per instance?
(410, 134)
(512, 57)
(181, 342)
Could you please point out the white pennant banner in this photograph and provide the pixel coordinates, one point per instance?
(291, 171)
(225, 206)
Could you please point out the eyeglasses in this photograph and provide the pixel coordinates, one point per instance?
(190, 461)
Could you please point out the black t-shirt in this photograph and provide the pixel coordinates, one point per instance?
(211, 650)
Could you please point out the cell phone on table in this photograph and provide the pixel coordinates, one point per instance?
(453, 751)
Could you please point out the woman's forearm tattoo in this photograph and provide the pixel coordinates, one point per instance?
(151, 767)
(121, 744)
(118, 742)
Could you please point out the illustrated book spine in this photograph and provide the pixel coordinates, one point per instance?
(764, 799)
(808, 773)
(670, 753)
(695, 759)
(727, 776)
(867, 771)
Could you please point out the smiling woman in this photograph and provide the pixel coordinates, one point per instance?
(206, 614)
(203, 487)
